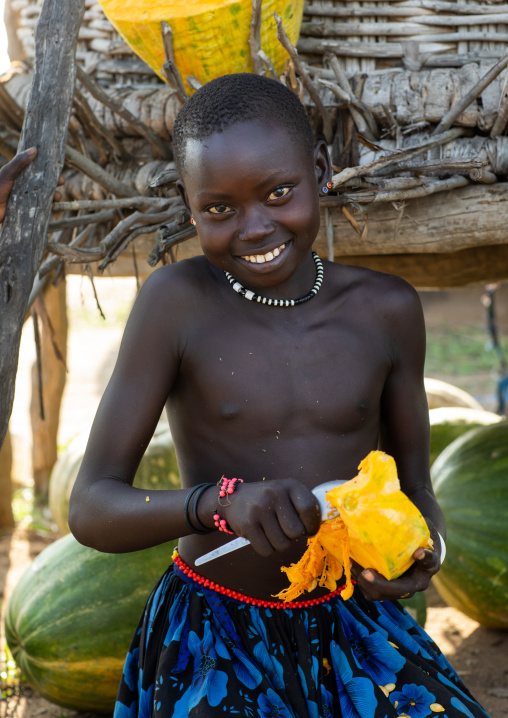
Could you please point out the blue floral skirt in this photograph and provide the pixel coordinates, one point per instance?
(198, 654)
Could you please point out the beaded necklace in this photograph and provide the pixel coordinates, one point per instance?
(253, 297)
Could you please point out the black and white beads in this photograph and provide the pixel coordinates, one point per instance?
(253, 297)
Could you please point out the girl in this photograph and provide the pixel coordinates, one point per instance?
(286, 373)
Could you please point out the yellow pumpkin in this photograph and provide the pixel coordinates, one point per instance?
(210, 37)
(379, 527)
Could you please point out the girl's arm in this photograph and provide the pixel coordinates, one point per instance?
(405, 435)
(105, 511)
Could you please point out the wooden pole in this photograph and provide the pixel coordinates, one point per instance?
(6, 516)
(52, 310)
(23, 234)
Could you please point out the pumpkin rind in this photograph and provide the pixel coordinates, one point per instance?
(71, 617)
(210, 37)
(470, 480)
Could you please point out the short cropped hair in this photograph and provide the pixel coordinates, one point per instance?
(241, 97)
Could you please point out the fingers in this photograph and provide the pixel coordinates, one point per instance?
(307, 508)
(274, 514)
(8, 174)
(377, 588)
(427, 560)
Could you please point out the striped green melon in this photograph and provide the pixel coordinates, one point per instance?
(158, 470)
(70, 619)
(450, 422)
(210, 37)
(470, 479)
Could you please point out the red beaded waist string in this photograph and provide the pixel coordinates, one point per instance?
(182, 567)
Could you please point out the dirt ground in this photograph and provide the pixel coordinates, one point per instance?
(480, 655)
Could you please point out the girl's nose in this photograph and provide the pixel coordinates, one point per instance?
(255, 226)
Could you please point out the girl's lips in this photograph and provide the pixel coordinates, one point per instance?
(266, 263)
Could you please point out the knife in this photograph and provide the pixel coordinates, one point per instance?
(327, 512)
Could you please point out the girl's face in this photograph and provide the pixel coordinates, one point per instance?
(253, 191)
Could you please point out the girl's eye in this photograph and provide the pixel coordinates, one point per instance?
(219, 209)
(279, 193)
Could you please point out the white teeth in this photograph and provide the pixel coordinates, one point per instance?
(262, 258)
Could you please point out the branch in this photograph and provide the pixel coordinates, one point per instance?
(23, 234)
(309, 86)
(161, 148)
(255, 37)
(457, 109)
(343, 82)
(95, 172)
(96, 218)
(95, 126)
(169, 69)
(383, 162)
(268, 64)
(398, 195)
(124, 203)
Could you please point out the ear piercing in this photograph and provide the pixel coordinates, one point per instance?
(327, 187)
(193, 221)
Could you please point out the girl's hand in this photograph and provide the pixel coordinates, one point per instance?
(9, 173)
(271, 514)
(417, 578)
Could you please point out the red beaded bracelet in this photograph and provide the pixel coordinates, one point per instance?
(226, 487)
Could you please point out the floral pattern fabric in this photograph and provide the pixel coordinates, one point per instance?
(198, 654)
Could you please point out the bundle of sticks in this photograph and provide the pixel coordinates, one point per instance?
(120, 178)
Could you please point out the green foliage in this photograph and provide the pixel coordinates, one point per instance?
(459, 352)
(27, 513)
(11, 678)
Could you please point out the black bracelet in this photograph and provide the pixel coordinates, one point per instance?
(192, 492)
(201, 528)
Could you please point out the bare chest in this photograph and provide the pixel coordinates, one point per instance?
(323, 377)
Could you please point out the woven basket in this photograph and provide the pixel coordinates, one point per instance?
(372, 36)
(100, 48)
(367, 36)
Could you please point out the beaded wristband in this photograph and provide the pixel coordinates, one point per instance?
(226, 487)
(195, 492)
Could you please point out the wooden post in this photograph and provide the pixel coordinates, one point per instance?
(6, 517)
(53, 375)
(23, 233)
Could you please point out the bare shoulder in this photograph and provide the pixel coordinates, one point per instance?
(161, 315)
(177, 282)
(387, 296)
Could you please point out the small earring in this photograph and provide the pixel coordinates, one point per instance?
(193, 221)
(324, 190)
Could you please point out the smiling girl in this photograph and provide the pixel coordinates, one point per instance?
(285, 371)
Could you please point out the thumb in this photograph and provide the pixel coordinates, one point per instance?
(8, 174)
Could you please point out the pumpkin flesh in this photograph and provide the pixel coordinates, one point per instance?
(379, 527)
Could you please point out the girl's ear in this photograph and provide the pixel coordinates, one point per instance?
(183, 194)
(323, 165)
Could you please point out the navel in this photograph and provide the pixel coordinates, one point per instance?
(229, 411)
